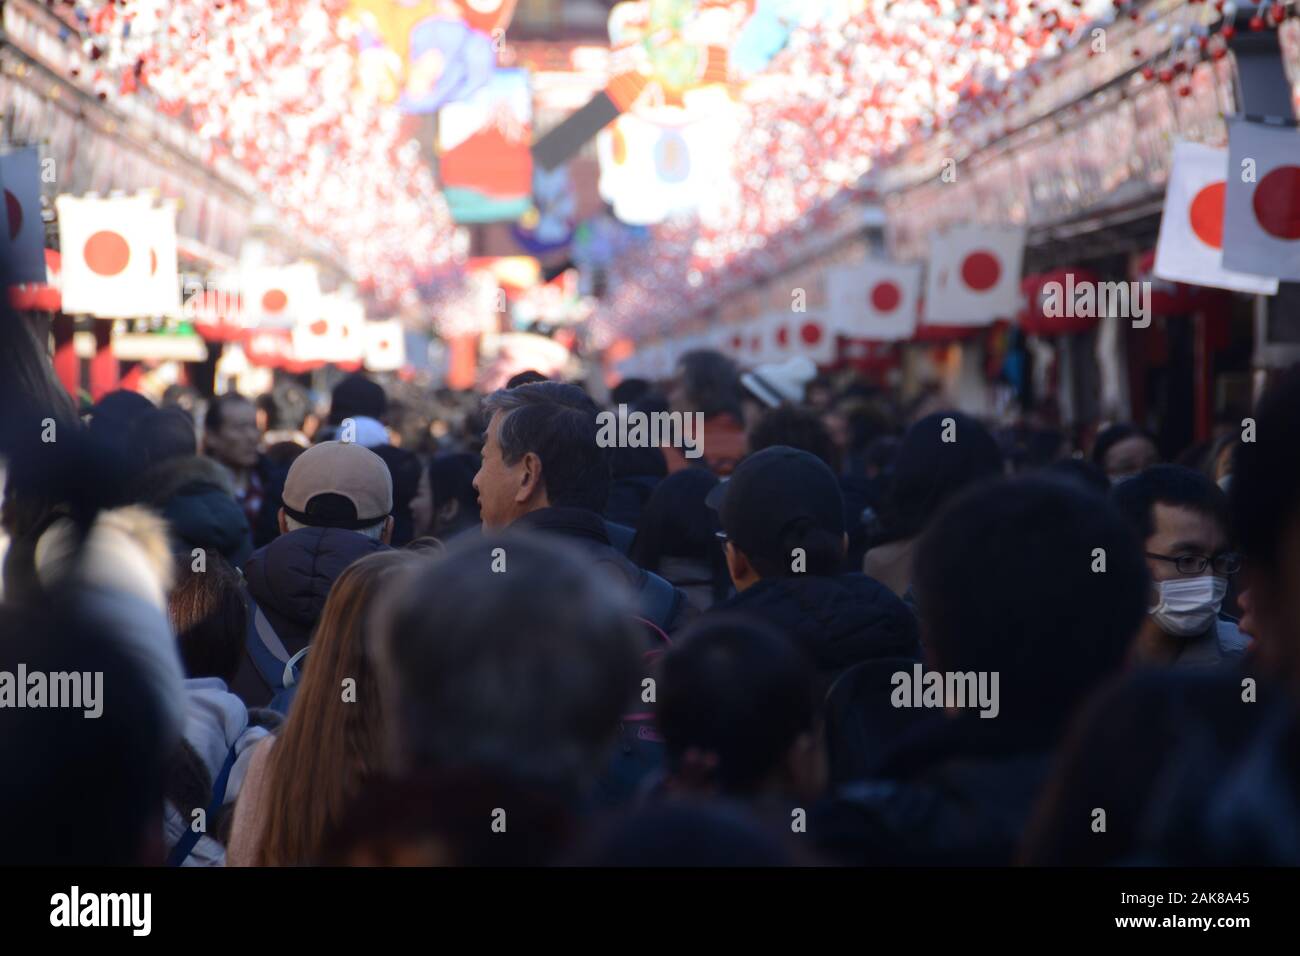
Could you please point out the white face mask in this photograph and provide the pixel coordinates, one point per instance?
(1189, 605)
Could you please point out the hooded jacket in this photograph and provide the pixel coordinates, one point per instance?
(216, 723)
(839, 621)
(197, 498)
(288, 581)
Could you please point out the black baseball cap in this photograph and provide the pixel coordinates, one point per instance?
(769, 492)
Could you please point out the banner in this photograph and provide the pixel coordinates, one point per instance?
(1261, 218)
(485, 163)
(164, 285)
(1190, 247)
(973, 275)
(385, 345)
(105, 256)
(281, 296)
(874, 299)
(24, 235)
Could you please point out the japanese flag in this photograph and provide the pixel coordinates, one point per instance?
(1261, 218)
(1190, 247)
(333, 337)
(973, 275)
(106, 264)
(24, 233)
(164, 282)
(385, 345)
(282, 296)
(874, 300)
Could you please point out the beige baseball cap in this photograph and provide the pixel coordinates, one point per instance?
(338, 485)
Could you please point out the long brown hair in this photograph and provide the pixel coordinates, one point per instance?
(328, 745)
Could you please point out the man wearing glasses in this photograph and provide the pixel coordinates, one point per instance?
(1182, 517)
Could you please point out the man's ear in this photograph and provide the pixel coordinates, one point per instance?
(448, 510)
(386, 536)
(737, 564)
(284, 525)
(530, 483)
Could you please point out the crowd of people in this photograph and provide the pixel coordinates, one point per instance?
(359, 633)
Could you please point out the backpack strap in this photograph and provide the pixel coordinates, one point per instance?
(267, 651)
(660, 601)
(186, 844)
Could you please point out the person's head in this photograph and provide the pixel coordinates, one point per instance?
(1181, 517)
(1081, 472)
(539, 451)
(357, 397)
(1265, 499)
(405, 469)
(708, 382)
(210, 617)
(284, 408)
(1122, 450)
(782, 513)
(339, 485)
(445, 501)
(524, 669)
(737, 708)
(940, 455)
(114, 415)
(676, 522)
(629, 392)
(795, 428)
(334, 736)
(106, 773)
(1008, 580)
(160, 434)
(230, 433)
(526, 377)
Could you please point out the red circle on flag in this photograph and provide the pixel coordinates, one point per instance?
(1206, 214)
(319, 327)
(1277, 203)
(981, 270)
(106, 253)
(811, 333)
(886, 296)
(737, 342)
(153, 262)
(783, 336)
(274, 300)
(15, 210)
(618, 147)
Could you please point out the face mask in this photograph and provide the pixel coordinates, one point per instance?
(1189, 605)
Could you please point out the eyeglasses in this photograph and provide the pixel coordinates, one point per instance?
(1225, 564)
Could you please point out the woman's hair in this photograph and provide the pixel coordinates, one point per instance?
(210, 617)
(328, 745)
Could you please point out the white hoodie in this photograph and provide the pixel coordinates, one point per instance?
(215, 721)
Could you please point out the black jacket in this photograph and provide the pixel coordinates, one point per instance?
(958, 793)
(839, 621)
(658, 600)
(289, 580)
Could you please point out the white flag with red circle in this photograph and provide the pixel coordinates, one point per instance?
(874, 299)
(385, 345)
(282, 296)
(24, 233)
(1190, 247)
(973, 275)
(105, 256)
(1261, 216)
(164, 281)
(334, 336)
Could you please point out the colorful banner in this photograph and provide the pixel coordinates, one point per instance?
(485, 164)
